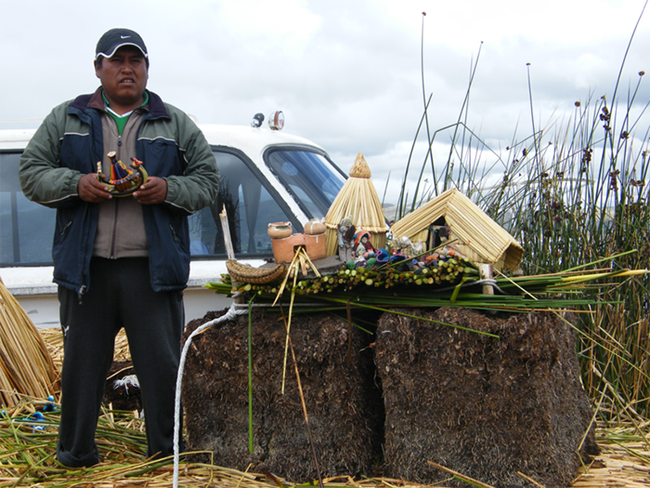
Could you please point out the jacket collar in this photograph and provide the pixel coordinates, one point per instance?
(156, 107)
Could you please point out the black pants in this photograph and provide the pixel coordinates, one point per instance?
(120, 295)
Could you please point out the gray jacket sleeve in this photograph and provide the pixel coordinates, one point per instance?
(42, 178)
(198, 186)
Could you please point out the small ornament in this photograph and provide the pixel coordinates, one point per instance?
(364, 252)
(123, 180)
(279, 230)
(315, 227)
(405, 246)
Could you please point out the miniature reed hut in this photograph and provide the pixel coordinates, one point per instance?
(479, 238)
(357, 199)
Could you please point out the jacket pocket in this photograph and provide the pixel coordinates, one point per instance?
(62, 230)
(162, 158)
(65, 230)
(178, 239)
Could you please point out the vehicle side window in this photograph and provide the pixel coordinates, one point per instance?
(26, 228)
(250, 208)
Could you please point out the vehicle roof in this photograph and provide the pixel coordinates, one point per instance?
(15, 138)
(246, 136)
(249, 139)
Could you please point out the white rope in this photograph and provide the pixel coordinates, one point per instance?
(230, 315)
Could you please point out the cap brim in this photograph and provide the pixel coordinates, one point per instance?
(110, 55)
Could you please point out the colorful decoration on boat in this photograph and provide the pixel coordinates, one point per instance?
(123, 180)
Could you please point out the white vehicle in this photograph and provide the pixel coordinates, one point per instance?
(266, 176)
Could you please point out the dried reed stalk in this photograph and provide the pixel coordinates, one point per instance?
(53, 339)
(28, 460)
(26, 366)
(357, 199)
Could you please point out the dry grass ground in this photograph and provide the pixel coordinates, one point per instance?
(619, 465)
(624, 460)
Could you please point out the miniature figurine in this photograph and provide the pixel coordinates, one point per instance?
(418, 248)
(364, 251)
(405, 246)
(346, 231)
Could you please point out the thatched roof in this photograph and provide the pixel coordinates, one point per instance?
(479, 237)
(357, 199)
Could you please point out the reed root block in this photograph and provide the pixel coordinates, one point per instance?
(343, 404)
(488, 408)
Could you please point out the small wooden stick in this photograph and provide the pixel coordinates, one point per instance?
(223, 216)
(486, 274)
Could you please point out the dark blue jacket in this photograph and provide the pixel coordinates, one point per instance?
(68, 145)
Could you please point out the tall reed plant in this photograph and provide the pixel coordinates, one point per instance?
(572, 193)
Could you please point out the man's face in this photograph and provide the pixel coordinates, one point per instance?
(124, 78)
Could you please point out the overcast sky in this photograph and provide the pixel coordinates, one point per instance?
(346, 73)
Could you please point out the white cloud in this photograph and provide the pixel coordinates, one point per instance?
(346, 73)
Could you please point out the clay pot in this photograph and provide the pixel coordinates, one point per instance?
(315, 227)
(279, 230)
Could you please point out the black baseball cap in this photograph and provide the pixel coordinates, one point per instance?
(114, 39)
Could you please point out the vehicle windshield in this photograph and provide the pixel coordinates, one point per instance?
(250, 203)
(310, 177)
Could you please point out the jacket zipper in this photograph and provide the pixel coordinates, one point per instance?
(114, 234)
(65, 229)
(81, 293)
(174, 235)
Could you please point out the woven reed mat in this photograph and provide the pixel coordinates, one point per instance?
(624, 464)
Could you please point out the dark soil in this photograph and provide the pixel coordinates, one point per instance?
(344, 406)
(485, 407)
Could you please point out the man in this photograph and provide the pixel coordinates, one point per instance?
(119, 260)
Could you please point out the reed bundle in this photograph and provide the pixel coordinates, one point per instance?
(53, 339)
(357, 199)
(26, 367)
(455, 283)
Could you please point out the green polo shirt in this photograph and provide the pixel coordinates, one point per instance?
(120, 120)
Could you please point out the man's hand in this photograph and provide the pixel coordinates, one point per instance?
(91, 190)
(152, 192)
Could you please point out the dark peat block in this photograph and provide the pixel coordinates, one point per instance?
(343, 403)
(485, 407)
